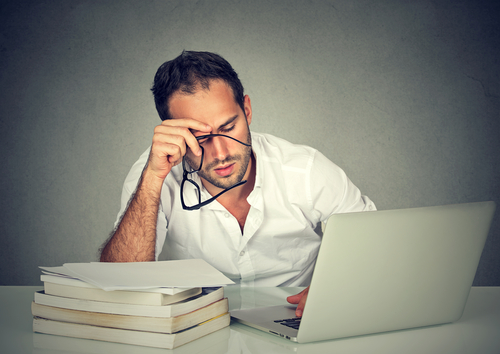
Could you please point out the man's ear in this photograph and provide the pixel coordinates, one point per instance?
(247, 105)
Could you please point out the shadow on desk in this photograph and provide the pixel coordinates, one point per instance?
(475, 332)
(441, 339)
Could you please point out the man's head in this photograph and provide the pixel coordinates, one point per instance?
(189, 72)
(225, 160)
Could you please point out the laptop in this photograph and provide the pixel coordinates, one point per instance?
(383, 271)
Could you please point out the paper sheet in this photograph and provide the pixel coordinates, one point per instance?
(187, 273)
(61, 275)
(59, 271)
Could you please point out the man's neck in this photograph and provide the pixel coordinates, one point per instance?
(235, 200)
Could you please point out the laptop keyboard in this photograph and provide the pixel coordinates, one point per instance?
(291, 322)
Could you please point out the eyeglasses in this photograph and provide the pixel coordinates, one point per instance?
(188, 170)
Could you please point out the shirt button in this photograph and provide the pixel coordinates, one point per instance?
(226, 215)
(242, 253)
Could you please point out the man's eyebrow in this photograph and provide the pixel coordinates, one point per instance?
(229, 121)
(226, 123)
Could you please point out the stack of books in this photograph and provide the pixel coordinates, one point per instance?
(158, 317)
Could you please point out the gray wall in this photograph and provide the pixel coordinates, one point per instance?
(404, 95)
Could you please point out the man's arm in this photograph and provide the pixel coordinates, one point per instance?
(134, 239)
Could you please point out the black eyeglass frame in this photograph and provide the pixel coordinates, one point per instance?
(186, 173)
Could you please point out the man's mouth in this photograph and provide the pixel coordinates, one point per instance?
(225, 170)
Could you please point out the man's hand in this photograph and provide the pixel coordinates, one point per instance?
(134, 240)
(300, 300)
(170, 141)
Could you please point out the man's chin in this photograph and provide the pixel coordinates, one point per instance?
(221, 182)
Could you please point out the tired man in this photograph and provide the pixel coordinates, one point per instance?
(247, 203)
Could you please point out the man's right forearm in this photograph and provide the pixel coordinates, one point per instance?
(134, 239)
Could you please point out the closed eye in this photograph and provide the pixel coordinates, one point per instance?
(227, 130)
(203, 139)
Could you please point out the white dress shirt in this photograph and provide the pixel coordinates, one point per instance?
(296, 187)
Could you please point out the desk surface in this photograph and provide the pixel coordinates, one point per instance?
(476, 332)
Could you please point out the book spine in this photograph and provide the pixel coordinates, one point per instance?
(148, 339)
(102, 307)
(130, 309)
(138, 323)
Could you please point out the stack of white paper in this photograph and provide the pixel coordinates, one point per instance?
(186, 273)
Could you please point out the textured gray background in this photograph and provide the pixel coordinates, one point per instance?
(404, 95)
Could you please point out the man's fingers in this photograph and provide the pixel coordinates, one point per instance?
(174, 161)
(300, 300)
(294, 299)
(170, 142)
(302, 304)
(188, 123)
(185, 128)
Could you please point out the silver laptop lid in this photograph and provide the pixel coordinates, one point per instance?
(389, 270)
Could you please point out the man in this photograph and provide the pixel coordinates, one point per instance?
(247, 203)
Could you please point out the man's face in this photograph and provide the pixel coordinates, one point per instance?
(225, 161)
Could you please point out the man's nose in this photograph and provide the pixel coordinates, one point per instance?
(219, 148)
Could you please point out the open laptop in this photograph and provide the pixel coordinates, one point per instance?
(386, 270)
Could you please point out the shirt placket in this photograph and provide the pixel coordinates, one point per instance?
(252, 224)
(240, 241)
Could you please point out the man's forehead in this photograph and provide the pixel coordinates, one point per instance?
(217, 103)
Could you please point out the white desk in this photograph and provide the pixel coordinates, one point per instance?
(477, 332)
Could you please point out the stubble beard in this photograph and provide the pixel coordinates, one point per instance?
(231, 180)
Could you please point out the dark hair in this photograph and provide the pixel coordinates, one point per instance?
(187, 73)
